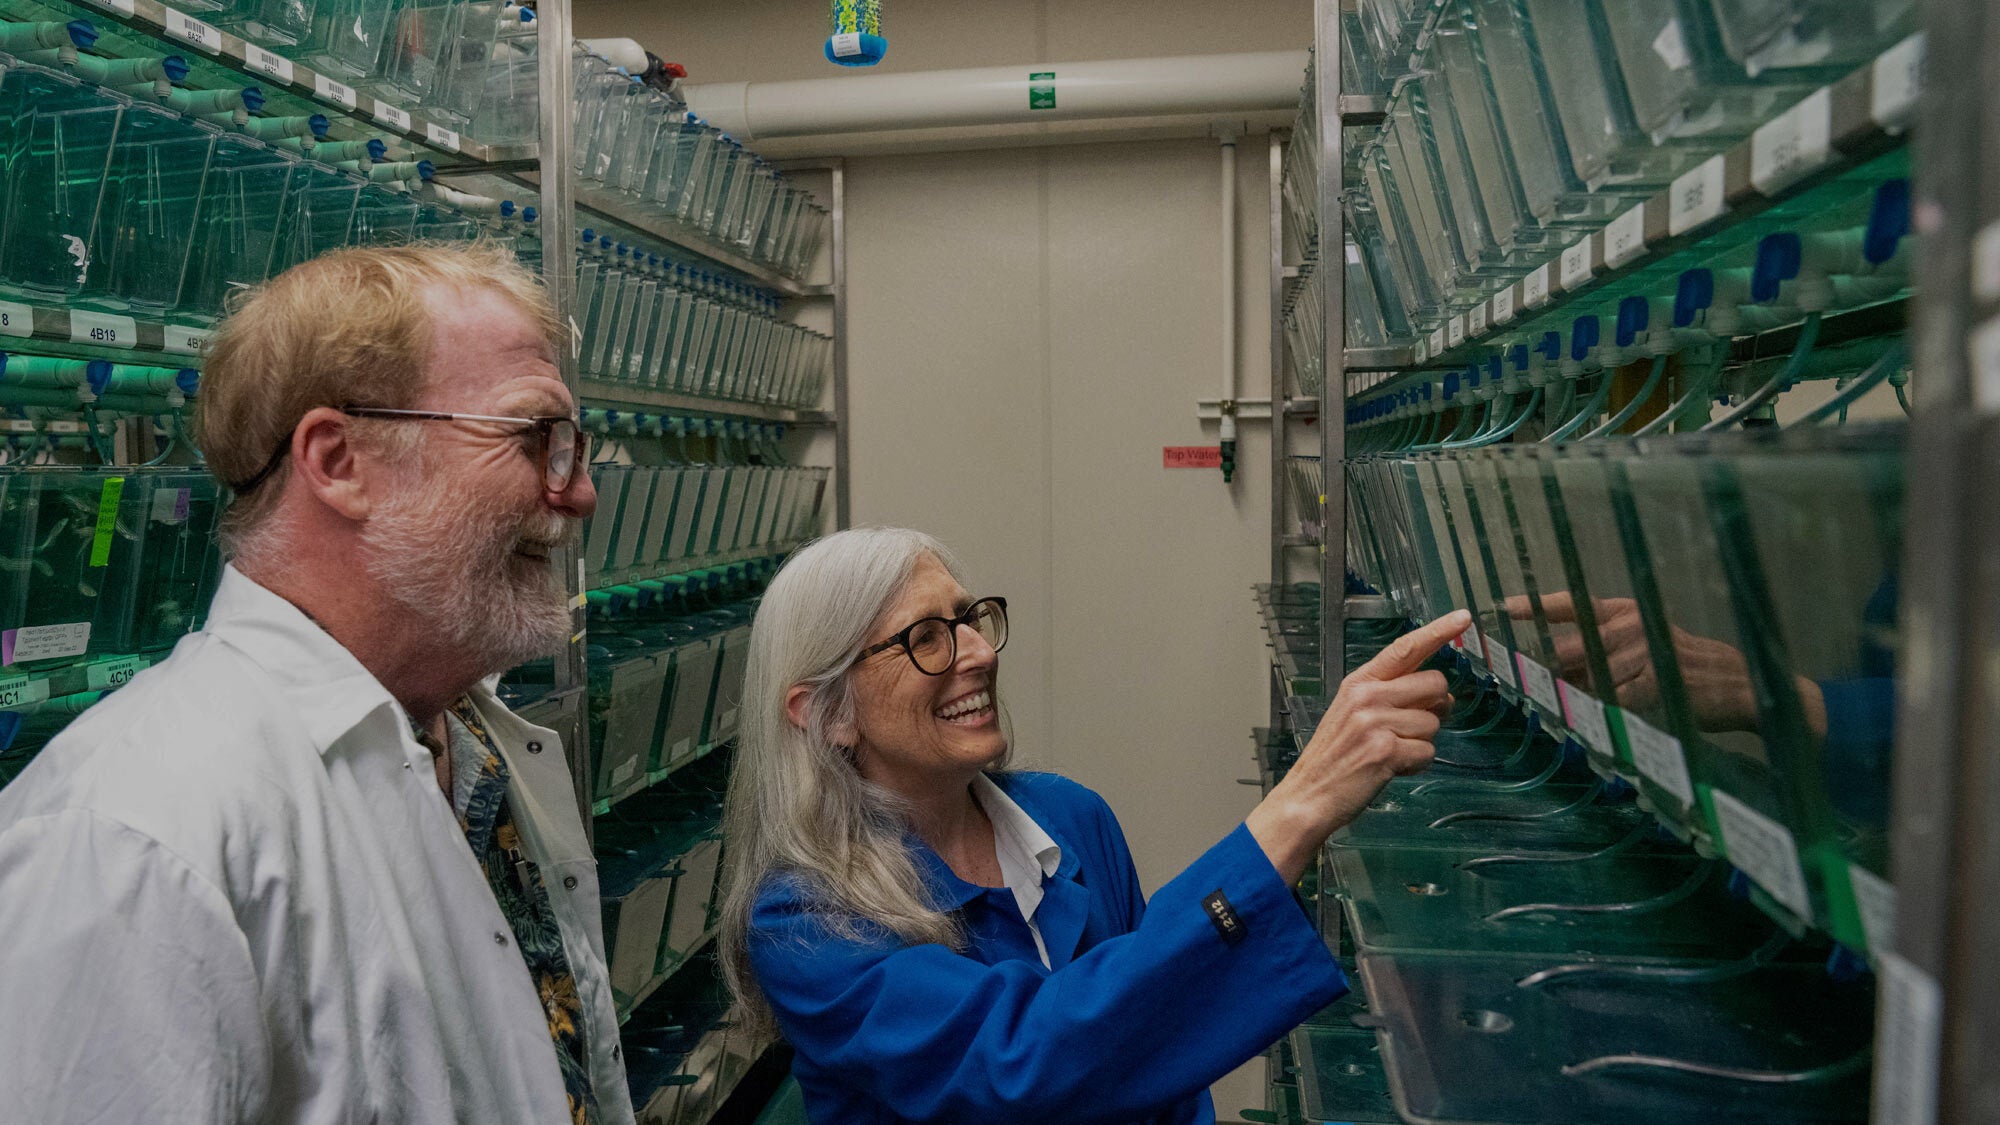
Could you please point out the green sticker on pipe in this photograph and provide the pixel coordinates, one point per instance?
(1042, 90)
(107, 519)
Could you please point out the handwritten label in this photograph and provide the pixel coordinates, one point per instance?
(183, 340)
(1896, 80)
(16, 320)
(1539, 683)
(1696, 197)
(1659, 757)
(1503, 305)
(1475, 321)
(1192, 457)
(108, 674)
(441, 137)
(1625, 238)
(846, 45)
(266, 62)
(327, 90)
(1984, 344)
(1764, 850)
(1454, 331)
(44, 642)
(107, 519)
(1584, 716)
(1909, 1022)
(192, 31)
(102, 329)
(22, 690)
(1793, 143)
(394, 117)
(1535, 287)
(1576, 267)
(1875, 901)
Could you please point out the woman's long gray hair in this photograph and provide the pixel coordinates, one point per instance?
(796, 805)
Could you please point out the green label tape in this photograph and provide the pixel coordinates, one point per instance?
(107, 520)
(1042, 89)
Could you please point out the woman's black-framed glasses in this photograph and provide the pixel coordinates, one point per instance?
(932, 644)
(557, 443)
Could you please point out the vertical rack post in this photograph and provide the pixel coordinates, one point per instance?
(843, 515)
(1333, 392)
(1280, 393)
(558, 192)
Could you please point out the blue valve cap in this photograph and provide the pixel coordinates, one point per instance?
(507, 208)
(97, 373)
(82, 33)
(1778, 258)
(1583, 336)
(175, 68)
(317, 123)
(1694, 294)
(188, 380)
(1518, 356)
(1550, 345)
(1888, 221)
(1634, 315)
(529, 214)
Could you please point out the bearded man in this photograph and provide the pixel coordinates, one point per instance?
(308, 868)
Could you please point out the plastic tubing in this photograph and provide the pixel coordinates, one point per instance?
(272, 128)
(1867, 381)
(42, 372)
(1693, 395)
(1808, 336)
(1625, 412)
(34, 35)
(128, 72)
(1506, 431)
(1562, 433)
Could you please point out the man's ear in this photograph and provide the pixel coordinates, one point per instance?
(326, 463)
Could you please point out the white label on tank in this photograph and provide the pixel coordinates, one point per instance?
(1793, 143)
(1535, 287)
(1455, 331)
(127, 7)
(622, 773)
(846, 45)
(1985, 345)
(1986, 263)
(1423, 348)
(1897, 79)
(441, 137)
(327, 90)
(103, 329)
(1625, 238)
(266, 62)
(1875, 901)
(1437, 340)
(183, 340)
(63, 427)
(1697, 197)
(44, 642)
(395, 117)
(170, 505)
(1500, 658)
(1468, 641)
(681, 748)
(1584, 716)
(1672, 46)
(1539, 683)
(1503, 305)
(108, 674)
(22, 690)
(1764, 850)
(1475, 321)
(1659, 757)
(192, 31)
(16, 320)
(17, 426)
(1909, 1019)
(1576, 263)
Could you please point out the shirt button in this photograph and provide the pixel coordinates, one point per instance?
(569, 882)
(534, 747)
(499, 938)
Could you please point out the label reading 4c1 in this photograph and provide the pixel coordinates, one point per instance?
(20, 691)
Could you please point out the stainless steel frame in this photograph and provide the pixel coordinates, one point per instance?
(1333, 393)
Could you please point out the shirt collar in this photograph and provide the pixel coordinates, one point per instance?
(329, 690)
(1014, 829)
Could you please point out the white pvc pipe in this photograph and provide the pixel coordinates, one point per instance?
(1117, 88)
(1228, 268)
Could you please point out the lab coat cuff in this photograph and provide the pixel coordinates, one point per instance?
(1270, 916)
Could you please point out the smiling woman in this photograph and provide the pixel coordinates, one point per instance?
(942, 939)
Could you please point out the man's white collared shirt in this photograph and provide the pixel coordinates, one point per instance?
(1027, 855)
(232, 892)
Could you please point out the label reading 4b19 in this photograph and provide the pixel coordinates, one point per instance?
(102, 329)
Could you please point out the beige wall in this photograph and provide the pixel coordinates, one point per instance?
(1027, 329)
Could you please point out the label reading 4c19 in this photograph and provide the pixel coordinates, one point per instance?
(107, 674)
(102, 329)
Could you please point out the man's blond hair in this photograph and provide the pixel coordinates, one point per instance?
(348, 328)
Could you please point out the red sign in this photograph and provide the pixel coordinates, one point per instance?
(1193, 457)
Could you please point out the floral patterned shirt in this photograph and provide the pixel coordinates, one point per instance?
(479, 796)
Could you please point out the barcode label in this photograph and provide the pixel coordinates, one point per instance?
(123, 7)
(1501, 659)
(265, 62)
(327, 90)
(1793, 143)
(1696, 198)
(1659, 757)
(108, 674)
(192, 31)
(1437, 340)
(1576, 267)
(1764, 850)
(20, 691)
(1535, 287)
(395, 117)
(442, 137)
(1625, 238)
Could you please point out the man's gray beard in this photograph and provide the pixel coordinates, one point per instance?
(449, 563)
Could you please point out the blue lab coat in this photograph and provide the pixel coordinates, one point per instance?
(1145, 1006)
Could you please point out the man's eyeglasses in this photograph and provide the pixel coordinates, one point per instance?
(932, 644)
(556, 442)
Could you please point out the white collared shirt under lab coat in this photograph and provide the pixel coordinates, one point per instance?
(232, 892)
(1026, 853)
